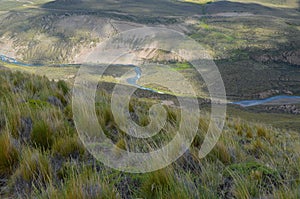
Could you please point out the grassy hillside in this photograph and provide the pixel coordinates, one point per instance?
(42, 156)
(255, 44)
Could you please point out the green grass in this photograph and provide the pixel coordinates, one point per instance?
(182, 66)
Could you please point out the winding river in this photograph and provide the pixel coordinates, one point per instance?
(278, 100)
(138, 75)
(132, 80)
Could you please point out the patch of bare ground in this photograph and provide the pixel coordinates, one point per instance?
(104, 28)
(6, 47)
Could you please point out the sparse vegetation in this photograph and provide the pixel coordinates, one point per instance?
(52, 162)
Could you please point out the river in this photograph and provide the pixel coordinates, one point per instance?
(132, 80)
(276, 100)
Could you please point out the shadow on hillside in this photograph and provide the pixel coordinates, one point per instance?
(163, 8)
(254, 8)
(127, 7)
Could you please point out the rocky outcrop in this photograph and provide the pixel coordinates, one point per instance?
(266, 94)
(26, 128)
(289, 57)
(55, 101)
(271, 92)
(292, 57)
(158, 55)
(291, 109)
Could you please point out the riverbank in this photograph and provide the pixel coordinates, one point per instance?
(133, 81)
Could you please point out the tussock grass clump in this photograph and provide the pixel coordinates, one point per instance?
(203, 124)
(249, 134)
(202, 129)
(42, 135)
(198, 140)
(34, 171)
(251, 179)
(68, 113)
(173, 115)
(256, 171)
(121, 144)
(163, 184)
(88, 184)
(68, 147)
(220, 152)
(9, 156)
(62, 85)
(12, 116)
(104, 113)
(157, 183)
(261, 131)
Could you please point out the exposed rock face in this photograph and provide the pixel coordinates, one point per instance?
(55, 101)
(25, 130)
(291, 109)
(159, 55)
(289, 57)
(270, 93)
(188, 162)
(292, 57)
(266, 94)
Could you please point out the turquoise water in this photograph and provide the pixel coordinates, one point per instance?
(247, 103)
(138, 75)
(13, 61)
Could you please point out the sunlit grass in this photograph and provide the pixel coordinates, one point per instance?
(250, 159)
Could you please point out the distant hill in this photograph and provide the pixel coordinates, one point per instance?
(249, 41)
